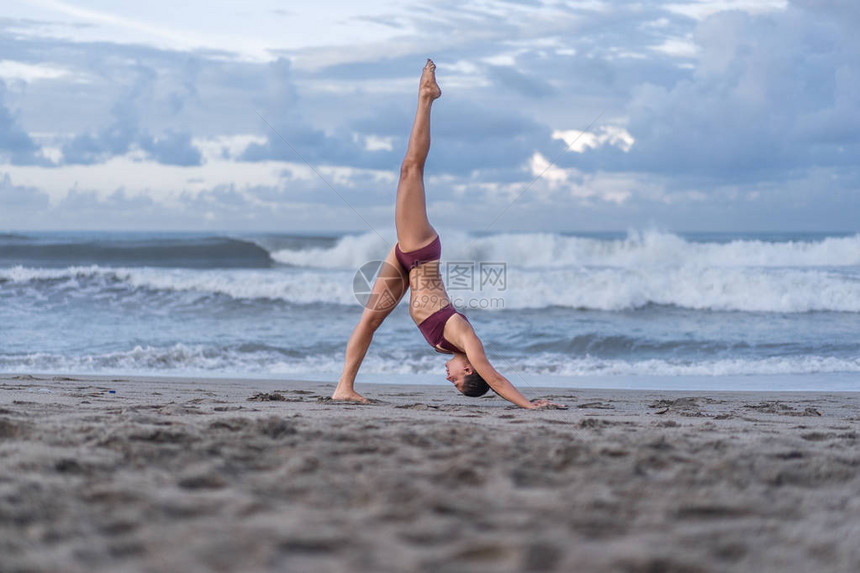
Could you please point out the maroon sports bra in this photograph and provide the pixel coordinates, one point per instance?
(433, 329)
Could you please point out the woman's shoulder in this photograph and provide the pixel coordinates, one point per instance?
(458, 326)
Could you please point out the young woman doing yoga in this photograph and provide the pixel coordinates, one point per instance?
(413, 263)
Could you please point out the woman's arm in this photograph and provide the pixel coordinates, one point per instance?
(501, 385)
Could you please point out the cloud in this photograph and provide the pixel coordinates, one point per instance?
(15, 144)
(771, 96)
(467, 137)
(172, 149)
(507, 77)
(19, 71)
(223, 207)
(763, 101)
(16, 199)
(579, 141)
(291, 137)
(124, 134)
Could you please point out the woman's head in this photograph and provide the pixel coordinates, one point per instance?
(461, 374)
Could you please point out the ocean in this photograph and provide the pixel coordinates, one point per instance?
(641, 309)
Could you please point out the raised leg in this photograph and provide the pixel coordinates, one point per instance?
(410, 212)
(388, 289)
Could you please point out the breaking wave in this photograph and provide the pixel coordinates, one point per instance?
(748, 289)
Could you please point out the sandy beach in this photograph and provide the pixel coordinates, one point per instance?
(147, 474)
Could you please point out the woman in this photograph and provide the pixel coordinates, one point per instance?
(414, 263)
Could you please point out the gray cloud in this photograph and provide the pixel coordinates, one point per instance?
(172, 149)
(15, 144)
(767, 109)
(466, 136)
(506, 77)
(290, 136)
(309, 205)
(145, 90)
(15, 198)
(771, 96)
(124, 132)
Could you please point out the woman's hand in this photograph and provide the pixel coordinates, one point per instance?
(547, 405)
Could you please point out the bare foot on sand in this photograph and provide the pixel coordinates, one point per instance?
(429, 87)
(345, 396)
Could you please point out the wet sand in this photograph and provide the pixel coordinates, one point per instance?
(245, 475)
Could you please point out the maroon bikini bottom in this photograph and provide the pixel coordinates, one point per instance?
(410, 260)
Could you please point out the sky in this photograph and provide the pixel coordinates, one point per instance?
(726, 115)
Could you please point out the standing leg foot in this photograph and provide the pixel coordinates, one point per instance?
(348, 396)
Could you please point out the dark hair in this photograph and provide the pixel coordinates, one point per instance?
(474, 385)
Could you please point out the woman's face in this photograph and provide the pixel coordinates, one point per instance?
(457, 369)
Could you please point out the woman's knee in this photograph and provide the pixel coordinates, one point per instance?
(372, 320)
(411, 168)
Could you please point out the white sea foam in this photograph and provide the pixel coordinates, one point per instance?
(297, 286)
(591, 366)
(750, 289)
(350, 252)
(638, 249)
(190, 359)
(723, 289)
(182, 359)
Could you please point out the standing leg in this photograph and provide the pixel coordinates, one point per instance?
(410, 212)
(388, 289)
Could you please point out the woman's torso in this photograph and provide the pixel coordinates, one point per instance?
(427, 291)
